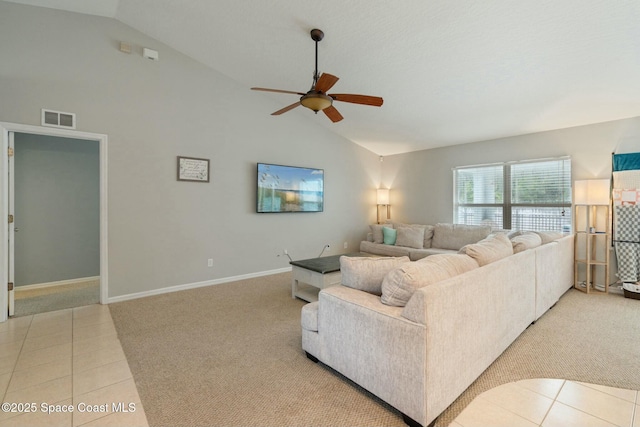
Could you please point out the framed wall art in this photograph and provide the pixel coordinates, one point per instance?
(193, 169)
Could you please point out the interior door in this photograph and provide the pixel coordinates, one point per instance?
(11, 225)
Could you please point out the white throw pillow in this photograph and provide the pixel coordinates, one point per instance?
(400, 284)
(367, 273)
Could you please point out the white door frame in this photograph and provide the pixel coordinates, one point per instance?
(5, 128)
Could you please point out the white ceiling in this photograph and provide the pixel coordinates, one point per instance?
(450, 72)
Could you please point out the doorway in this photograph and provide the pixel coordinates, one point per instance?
(66, 144)
(55, 199)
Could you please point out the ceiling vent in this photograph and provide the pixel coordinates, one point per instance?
(58, 119)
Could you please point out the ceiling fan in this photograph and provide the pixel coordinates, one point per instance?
(317, 98)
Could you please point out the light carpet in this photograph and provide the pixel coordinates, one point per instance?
(230, 355)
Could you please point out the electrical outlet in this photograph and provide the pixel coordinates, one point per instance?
(210, 262)
(346, 245)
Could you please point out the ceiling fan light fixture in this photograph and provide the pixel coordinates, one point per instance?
(316, 101)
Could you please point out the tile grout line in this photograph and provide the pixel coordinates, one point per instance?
(488, 402)
(589, 386)
(584, 412)
(555, 399)
(13, 370)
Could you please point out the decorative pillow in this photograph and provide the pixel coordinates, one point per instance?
(376, 231)
(549, 236)
(389, 236)
(428, 232)
(490, 249)
(524, 241)
(367, 273)
(399, 285)
(411, 237)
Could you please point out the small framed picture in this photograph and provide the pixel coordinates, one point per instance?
(193, 169)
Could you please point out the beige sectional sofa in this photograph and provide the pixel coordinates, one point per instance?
(461, 311)
(419, 241)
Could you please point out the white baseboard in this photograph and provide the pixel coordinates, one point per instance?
(195, 285)
(58, 283)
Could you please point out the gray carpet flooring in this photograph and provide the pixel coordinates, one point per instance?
(230, 355)
(57, 298)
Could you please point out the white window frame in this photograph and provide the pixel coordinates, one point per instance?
(507, 206)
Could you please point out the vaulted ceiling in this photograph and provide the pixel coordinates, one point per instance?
(450, 72)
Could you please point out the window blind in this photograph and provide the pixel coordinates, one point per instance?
(530, 195)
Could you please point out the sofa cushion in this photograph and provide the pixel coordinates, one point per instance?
(524, 241)
(490, 249)
(366, 274)
(309, 317)
(389, 235)
(549, 236)
(455, 236)
(399, 285)
(384, 250)
(376, 232)
(416, 254)
(411, 237)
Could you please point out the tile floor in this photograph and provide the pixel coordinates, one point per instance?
(67, 359)
(550, 403)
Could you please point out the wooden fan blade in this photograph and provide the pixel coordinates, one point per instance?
(276, 90)
(374, 101)
(333, 114)
(326, 82)
(285, 109)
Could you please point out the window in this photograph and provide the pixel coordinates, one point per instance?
(530, 195)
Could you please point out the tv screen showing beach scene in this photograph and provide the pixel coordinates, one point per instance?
(289, 189)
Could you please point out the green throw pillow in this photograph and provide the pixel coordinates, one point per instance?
(389, 235)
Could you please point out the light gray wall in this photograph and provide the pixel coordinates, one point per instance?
(161, 231)
(57, 209)
(421, 182)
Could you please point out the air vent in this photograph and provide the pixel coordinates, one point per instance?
(58, 119)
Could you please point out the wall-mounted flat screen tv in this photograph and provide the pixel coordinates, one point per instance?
(289, 189)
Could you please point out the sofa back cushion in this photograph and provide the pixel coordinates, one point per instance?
(455, 236)
(525, 240)
(366, 274)
(399, 285)
(490, 249)
(549, 236)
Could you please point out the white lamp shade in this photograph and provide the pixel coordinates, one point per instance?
(592, 192)
(383, 196)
